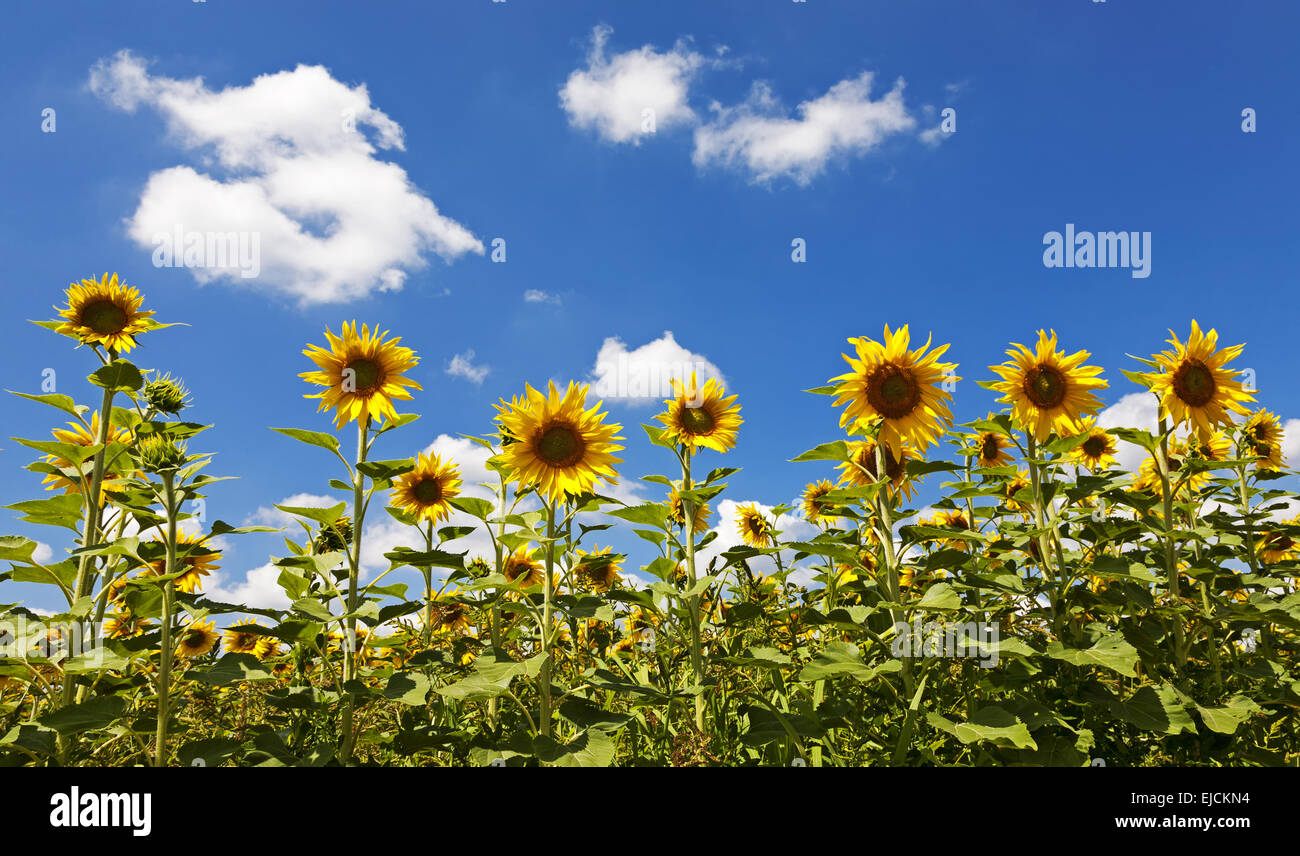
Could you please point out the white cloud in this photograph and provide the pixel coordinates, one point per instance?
(259, 589)
(43, 552)
(462, 365)
(630, 96)
(296, 172)
(536, 295)
(643, 374)
(760, 136)
(1291, 443)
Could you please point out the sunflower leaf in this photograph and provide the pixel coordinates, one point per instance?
(118, 376)
(61, 402)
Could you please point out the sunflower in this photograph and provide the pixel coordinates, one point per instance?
(902, 388)
(362, 375)
(866, 564)
(449, 615)
(560, 447)
(1263, 434)
(238, 640)
(1276, 546)
(1215, 447)
(1012, 487)
(196, 564)
(425, 490)
(815, 509)
(1098, 451)
(598, 569)
(79, 435)
(1046, 389)
(123, 624)
(677, 509)
(197, 639)
(860, 469)
(701, 418)
(754, 528)
(105, 312)
(522, 567)
(947, 518)
(1194, 385)
(991, 449)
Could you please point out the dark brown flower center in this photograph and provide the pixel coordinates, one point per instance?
(104, 317)
(892, 391)
(367, 375)
(560, 446)
(1194, 383)
(427, 491)
(697, 420)
(1094, 446)
(990, 448)
(1045, 387)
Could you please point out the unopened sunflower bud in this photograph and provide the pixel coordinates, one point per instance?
(166, 395)
(159, 453)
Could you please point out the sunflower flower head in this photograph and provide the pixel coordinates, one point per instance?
(562, 448)
(105, 312)
(1048, 390)
(701, 418)
(426, 491)
(598, 569)
(1098, 451)
(904, 389)
(1263, 437)
(700, 513)
(815, 508)
(78, 434)
(362, 374)
(1194, 384)
(197, 639)
(194, 561)
(754, 527)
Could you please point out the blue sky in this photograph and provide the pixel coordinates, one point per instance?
(1110, 116)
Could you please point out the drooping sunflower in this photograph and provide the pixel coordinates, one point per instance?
(1047, 390)
(362, 374)
(902, 388)
(197, 639)
(991, 449)
(1213, 447)
(449, 615)
(1098, 451)
(1277, 546)
(677, 508)
(1194, 384)
(522, 566)
(598, 569)
(1264, 436)
(124, 624)
(238, 640)
(701, 418)
(1011, 489)
(79, 435)
(561, 447)
(196, 564)
(755, 529)
(425, 490)
(815, 509)
(105, 312)
(860, 469)
(949, 518)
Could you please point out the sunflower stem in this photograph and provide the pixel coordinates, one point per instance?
(885, 526)
(693, 602)
(544, 677)
(354, 575)
(165, 655)
(1171, 559)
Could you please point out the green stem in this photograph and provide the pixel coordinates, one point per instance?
(693, 602)
(165, 655)
(354, 575)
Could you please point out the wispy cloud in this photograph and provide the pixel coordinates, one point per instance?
(462, 365)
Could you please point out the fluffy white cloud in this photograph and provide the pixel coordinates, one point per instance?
(462, 365)
(1291, 443)
(643, 374)
(259, 589)
(629, 96)
(761, 137)
(316, 215)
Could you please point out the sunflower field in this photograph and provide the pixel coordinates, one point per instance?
(1048, 609)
